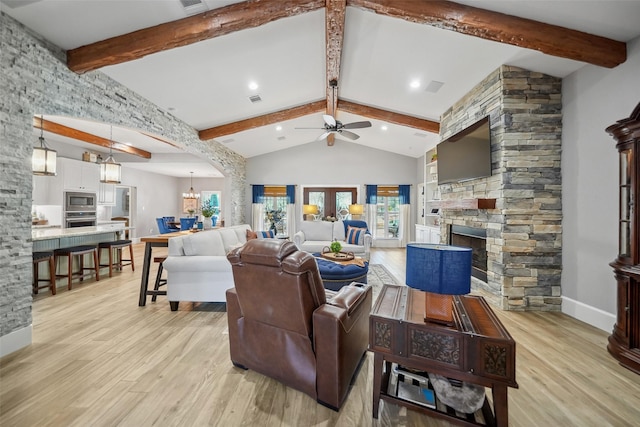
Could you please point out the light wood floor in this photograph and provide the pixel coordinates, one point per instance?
(97, 359)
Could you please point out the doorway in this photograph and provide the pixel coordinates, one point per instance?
(331, 201)
(125, 208)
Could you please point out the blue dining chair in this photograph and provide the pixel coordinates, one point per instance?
(162, 226)
(187, 223)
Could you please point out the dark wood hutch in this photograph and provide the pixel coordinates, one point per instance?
(624, 342)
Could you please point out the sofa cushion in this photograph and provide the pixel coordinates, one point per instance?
(241, 232)
(251, 235)
(269, 234)
(204, 243)
(229, 239)
(339, 231)
(355, 235)
(317, 230)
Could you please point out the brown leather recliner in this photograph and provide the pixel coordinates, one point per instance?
(283, 324)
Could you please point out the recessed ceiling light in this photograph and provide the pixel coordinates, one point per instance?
(415, 84)
(384, 127)
(171, 108)
(278, 128)
(228, 141)
(253, 85)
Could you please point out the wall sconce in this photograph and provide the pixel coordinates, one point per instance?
(43, 160)
(440, 271)
(110, 171)
(356, 211)
(310, 210)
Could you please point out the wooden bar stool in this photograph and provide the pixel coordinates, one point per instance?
(159, 280)
(117, 245)
(80, 252)
(44, 256)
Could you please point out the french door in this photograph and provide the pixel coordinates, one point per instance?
(331, 201)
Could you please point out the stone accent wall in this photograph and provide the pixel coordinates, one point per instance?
(36, 80)
(524, 233)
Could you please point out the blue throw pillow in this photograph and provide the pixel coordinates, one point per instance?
(355, 236)
(269, 234)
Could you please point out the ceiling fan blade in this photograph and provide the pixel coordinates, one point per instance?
(350, 135)
(357, 125)
(329, 120)
(323, 136)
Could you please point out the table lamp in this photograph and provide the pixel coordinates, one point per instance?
(356, 211)
(440, 271)
(310, 210)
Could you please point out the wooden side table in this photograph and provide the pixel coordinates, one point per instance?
(478, 349)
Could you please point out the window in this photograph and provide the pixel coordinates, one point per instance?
(387, 212)
(332, 202)
(275, 208)
(212, 198)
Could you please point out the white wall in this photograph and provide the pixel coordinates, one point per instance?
(316, 164)
(593, 98)
(155, 197)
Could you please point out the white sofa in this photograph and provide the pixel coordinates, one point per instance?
(197, 266)
(315, 235)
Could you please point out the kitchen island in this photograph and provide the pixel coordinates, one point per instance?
(53, 238)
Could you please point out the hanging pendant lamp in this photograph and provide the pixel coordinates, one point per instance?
(110, 171)
(191, 194)
(43, 160)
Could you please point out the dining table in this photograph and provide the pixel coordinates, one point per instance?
(150, 242)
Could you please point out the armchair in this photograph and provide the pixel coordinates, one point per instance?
(283, 324)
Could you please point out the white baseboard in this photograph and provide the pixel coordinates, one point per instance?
(588, 314)
(15, 340)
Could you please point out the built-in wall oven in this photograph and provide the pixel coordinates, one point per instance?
(79, 209)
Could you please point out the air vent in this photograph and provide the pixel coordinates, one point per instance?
(281, 138)
(227, 141)
(433, 86)
(420, 135)
(255, 98)
(193, 7)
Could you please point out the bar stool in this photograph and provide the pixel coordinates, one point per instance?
(117, 245)
(44, 256)
(80, 252)
(159, 280)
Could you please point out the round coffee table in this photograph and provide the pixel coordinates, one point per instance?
(335, 275)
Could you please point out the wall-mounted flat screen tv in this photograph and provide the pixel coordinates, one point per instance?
(465, 155)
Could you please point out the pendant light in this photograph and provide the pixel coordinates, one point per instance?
(43, 160)
(110, 171)
(191, 195)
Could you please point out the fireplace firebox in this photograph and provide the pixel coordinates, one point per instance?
(476, 239)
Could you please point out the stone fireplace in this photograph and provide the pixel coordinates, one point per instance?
(518, 209)
(476, 239)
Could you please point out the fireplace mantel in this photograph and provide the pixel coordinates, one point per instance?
(465, 204)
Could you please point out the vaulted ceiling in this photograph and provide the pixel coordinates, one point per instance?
(399, 64)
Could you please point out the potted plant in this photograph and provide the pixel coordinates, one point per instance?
(210, 211)
(335, 247)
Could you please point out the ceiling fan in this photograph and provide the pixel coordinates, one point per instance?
(331, 125)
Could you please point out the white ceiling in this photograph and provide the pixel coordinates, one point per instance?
(206, 84)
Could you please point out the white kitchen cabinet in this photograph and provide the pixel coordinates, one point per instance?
(48, 190)
(427, 234)
(80, 176)
(107, 194)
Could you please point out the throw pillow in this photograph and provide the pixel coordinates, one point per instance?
(269, 234)
(251, 235)
(355, 236)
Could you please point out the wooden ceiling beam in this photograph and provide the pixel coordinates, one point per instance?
(204, 26)
(68, 132)
(499, 27)
(334, 36)
(389, 116)
(267, 119)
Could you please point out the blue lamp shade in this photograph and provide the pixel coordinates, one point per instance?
(440, 269)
